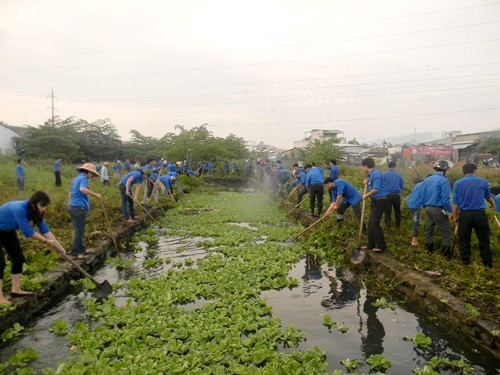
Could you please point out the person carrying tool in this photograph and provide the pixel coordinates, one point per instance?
(377, 193)
(126, 185)
(300, 181)
(169, 180)
(315, 188)
(344, 195)
(495, 192)
(16, 215)
(469, 195)
(79, 205)
(393, 184)
(436, 202)
(334, 173)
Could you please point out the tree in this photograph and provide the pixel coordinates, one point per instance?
(262, 151)
(322, 151)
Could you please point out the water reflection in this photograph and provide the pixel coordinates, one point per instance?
(372, 342)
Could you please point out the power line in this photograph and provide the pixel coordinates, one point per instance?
(271, 33)
(269, 63)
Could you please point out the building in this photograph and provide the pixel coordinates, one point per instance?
(320, 135)
(7, 135)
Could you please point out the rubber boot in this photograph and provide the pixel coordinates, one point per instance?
(430, 247)
(446, 250)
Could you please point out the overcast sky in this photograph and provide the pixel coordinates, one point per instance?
(263, 70)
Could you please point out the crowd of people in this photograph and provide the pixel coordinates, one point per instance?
(465, 204)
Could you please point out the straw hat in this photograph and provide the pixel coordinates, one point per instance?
(148, 172)
(89, 167)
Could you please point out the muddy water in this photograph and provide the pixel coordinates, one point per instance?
(322, 291)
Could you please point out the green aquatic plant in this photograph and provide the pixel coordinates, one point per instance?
(12, 332)
(60, 327)
(422, 341)
(378, 363)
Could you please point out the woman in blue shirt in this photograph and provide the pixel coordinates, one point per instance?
(17, 215)
(79, 205)
(126, 185)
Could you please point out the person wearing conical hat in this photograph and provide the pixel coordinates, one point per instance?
(79, 205)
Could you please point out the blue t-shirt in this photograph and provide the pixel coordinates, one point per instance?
(414, 200)
(57, 166)
(20, 171)
(138, 178)
(349, 193)
(470, 192)
(314, 176)
(375, 181)
(497, 202)
(166, 179)
(334, 172)
(436, 191)
(127, 166)
(77, 198)
(15, 215)
(393, 182)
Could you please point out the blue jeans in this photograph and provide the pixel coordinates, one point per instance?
(127, 203)
(78, 217)
(416, 214)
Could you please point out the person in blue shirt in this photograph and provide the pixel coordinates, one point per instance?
(126, 185)
(57, 172)
(300, 181)
(377, 194)
(79, 205)
(469, 212)
(16, 215)
(248, 167)
(315, 188)
(127, 165)
(236, 169)
(344, 195)
(20, 175)
(117, 167)
(415, 203)
(169, 180)
(495, 192)
(334, 173)
(394, 185)
(436, 202)
(226, 168)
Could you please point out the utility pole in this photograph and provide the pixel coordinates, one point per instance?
(52, 107)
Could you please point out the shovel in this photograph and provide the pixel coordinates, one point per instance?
(102, 290)
(496, 219)
(455, 232)
(358, 254)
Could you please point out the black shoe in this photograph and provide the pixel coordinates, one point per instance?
(314, 216)
(429, 247)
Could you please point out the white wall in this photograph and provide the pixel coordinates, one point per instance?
(6, 144)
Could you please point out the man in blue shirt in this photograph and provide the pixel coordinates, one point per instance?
(377, 193)
(469, 195)
(20, 175)
(315, 188)
(344, 195)
(126, 185)
(495, 192)
(393, 184)
(415, 204)
(57, 172)
(226, 168)
(436, 201)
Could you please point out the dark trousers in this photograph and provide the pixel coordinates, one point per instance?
(477, 220)
(376, 237)
(78, 218)
(434, 216)
(393, 201)
(317, 191)
(127, 203)
(12, 246)
(302, 192)
(357, 211)
(58, 178)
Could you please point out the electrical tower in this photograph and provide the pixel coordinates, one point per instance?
(52, 106)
